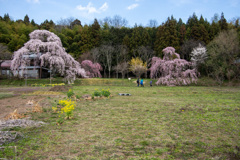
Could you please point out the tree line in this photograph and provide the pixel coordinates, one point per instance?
(111, 43)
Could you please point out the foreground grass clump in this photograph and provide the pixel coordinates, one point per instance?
(153, 123)
(103, 92)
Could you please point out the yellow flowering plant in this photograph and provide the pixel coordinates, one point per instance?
(47, 85)
(105, 93)
(68, 107)
(54, 109)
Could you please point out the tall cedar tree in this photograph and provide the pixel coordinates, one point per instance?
(167, 36)
(95, 33)
(223, 22)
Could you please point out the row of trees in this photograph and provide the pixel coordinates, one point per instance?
(112, 44)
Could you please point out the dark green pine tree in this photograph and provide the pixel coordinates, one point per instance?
(171, 33)
(48, 25)
(201, 20)
(181, 28)
(33, 22)
(167, 36)
(136, 39)
(6, 17)
(223, 22)
(204, 36)
(199, 32)
(26, 20)
(146, 39)
(126, 41)
(105, 34)
(214, 30)
(192, 21)
(191, 24)
(74, 23)
(152, 33)
(86, 40)
(95, 33)
(160, 43)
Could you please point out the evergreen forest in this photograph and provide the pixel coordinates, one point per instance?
(113, 35)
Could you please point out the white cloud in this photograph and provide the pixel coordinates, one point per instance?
(132, 6)
(90, 9)
(104, 7)
(33, 1)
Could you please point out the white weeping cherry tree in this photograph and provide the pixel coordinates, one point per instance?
(53, 56)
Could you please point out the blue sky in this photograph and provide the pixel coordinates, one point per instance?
(134, 11)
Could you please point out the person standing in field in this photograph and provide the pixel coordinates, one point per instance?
(141, 82)
(138, 82)
(150, 83)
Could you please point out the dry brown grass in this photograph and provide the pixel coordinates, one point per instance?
(14, 115)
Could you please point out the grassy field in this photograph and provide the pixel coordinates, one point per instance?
(153, 123)
(204, 81)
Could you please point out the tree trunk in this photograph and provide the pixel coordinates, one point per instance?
(40, 74)
(104, 72)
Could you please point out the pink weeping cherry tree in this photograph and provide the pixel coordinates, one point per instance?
(92, 69)
(171, 70)
(50, 54)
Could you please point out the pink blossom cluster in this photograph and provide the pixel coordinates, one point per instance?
(92, 69)
(53, 55)
(171, 70)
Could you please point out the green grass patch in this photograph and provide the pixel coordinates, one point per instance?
(152, 123)
(30, 82)
(6, 95)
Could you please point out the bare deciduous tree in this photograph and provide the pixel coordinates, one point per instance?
(122, 68)
(121, 52)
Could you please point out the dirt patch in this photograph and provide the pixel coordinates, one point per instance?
(22, 95)
(60, 88)
(8, 105)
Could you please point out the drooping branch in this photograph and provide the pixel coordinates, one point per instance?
(92, 69)
(48, 48)
(171, 70)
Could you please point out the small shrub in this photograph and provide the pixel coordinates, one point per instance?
(70, 93)
(97, 93)
(105, 93)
